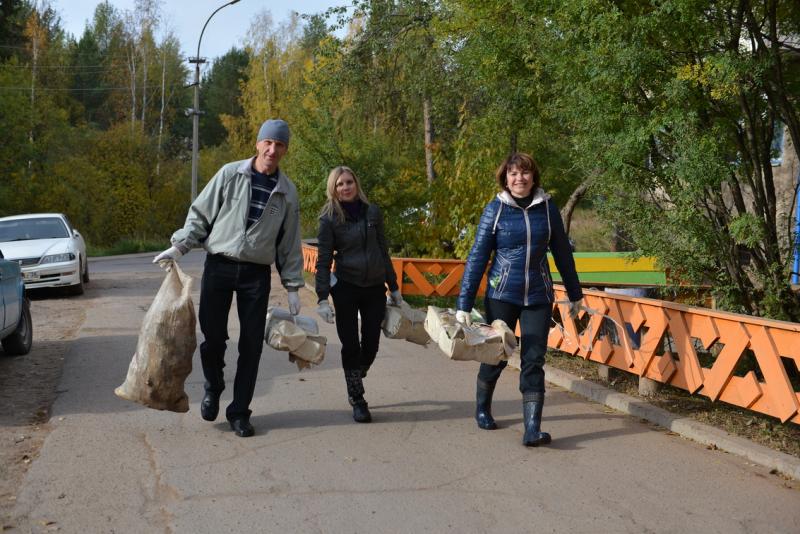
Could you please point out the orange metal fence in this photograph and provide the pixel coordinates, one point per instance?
(738, 359)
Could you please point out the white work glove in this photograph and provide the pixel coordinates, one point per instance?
(325, 311)
(165, 259)
(294, 302)
(463, 317)
(575, 308)
(395, 298)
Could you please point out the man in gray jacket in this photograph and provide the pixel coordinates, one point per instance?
(247, 217)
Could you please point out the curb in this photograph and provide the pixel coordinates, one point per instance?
(688, 428)
(122, 256)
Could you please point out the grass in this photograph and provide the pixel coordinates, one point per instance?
(762, 429)
(128, 246)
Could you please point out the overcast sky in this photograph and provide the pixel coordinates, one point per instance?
(186, 19)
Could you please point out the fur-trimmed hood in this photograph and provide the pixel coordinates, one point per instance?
(538, 197)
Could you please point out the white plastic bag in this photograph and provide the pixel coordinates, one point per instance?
(404, 322)
(479, 342)
(297, 334)
(167, 340)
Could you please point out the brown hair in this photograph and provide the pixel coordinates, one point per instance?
(521, 160)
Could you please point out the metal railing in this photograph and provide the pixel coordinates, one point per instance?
(738, 359)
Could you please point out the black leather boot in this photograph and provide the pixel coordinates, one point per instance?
(483, 405)
(355, 394)
(209, 406)
(532, 404)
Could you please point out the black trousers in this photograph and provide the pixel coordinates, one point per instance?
(534, 323)
(251, 283)
(349, 300)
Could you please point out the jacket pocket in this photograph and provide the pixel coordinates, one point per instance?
(501, 279)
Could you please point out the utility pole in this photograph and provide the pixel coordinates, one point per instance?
(195, 111)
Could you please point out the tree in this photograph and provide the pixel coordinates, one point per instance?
(13, 14)
(676, 104)
(222, 90)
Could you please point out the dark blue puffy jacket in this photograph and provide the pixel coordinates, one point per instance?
(519, 239)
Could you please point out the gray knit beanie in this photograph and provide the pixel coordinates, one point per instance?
(275, 129)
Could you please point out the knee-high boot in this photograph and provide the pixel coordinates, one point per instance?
(532, 404)
(355, 393)
(483, 405)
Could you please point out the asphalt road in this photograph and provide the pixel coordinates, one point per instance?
(109, 465)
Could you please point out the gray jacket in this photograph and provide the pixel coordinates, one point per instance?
(358, 246)
(217, 219)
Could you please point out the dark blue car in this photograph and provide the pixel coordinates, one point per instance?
(16, 332)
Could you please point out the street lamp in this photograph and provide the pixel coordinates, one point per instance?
(195, 111)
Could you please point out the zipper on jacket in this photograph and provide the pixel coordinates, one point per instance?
(364, 241)
(527, 254)
(247, 208)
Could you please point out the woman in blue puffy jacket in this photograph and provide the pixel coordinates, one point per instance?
(518, 226)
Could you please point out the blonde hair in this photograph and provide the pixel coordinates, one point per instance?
(333, 208)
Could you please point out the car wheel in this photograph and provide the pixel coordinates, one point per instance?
(85, 275)
(77, 289)
(20, 341)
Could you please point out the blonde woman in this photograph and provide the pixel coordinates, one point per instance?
(351, 234)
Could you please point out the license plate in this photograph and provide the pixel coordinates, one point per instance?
(28, 277)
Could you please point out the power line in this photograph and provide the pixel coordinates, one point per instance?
(79, 89)
(67, 51)
(99, 68)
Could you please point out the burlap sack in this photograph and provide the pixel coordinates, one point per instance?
(479, 342)
(297, 335)
(167, 340)
(405, 322)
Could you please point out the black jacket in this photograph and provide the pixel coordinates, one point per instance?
(358, 246)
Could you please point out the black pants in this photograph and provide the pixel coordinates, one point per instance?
(534, 322)
(349, 300)
(221, 278)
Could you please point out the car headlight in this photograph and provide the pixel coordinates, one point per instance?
(57, 258)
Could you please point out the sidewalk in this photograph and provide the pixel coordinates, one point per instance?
(421, 466)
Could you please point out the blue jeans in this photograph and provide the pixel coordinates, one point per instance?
(251, 282)
(534, 322)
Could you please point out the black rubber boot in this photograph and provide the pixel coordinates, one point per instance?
(483, 405)
(355, 393)
(532, 404)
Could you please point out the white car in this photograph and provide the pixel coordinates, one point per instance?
(49, 250)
